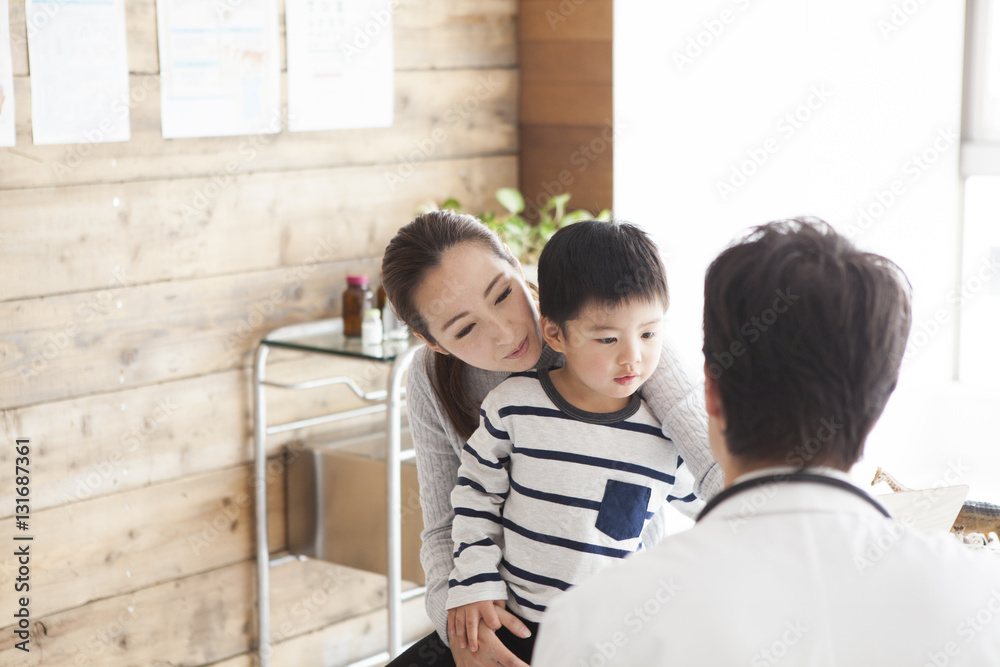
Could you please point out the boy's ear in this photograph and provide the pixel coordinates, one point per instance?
(553, 334)
(434, 346)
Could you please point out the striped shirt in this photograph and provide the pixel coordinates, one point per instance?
(548, 494)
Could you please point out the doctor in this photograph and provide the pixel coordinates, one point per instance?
(791, 564)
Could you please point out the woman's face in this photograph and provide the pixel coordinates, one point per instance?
(477, 308)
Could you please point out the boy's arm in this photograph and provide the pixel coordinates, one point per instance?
(478, 498)
(679, 405)
(682, 497)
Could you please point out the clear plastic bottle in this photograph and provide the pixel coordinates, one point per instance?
(393, 328)
(371, 327)
(357, 299)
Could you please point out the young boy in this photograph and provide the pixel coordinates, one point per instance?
(568, 465)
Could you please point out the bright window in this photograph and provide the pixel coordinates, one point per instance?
(737, 112)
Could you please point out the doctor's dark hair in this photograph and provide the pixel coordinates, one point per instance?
(595, 262)
(804, 338)
(416, 249)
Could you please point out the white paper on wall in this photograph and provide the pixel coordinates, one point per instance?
(7, 128)
(220, 73)
(340, 63)
(79, 71)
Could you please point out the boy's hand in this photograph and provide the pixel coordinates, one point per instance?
(463, 622)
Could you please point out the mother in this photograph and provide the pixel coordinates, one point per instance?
(462, 292)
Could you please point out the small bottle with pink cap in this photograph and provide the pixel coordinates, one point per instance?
(358, 298)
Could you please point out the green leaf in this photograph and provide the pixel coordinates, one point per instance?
(604, 216)
(576, 216)
(515, 228)
(560, 203)
(452, 204)
(518, 221)
(510, 199)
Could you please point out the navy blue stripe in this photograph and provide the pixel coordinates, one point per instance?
(478, 579)
(496, 465)
(563, 542)
(536, 578)
(465, 481)
(648, 429)
(524, 374)
(485, 542)
(558, 499)
(594, 461)
(686, 499)
(533, 411)
(555, 497)
(524, 603)
(680, 461)
(495, 432)
(476, 514)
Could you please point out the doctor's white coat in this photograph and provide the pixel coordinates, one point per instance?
(785, 574)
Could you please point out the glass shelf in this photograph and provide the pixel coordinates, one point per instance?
(327, 337)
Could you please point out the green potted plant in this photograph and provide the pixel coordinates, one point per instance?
(525, 239)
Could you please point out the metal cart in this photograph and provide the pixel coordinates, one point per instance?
(326, 337)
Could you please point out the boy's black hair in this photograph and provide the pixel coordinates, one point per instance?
(804, 337)
(606, 263)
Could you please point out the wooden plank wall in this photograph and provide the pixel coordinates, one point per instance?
(566, 122)
(137, 279)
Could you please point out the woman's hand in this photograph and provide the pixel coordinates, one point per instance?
(491, 650)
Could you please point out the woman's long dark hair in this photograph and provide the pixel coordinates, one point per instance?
(415, 249)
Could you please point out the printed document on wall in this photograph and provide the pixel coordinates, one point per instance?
(340, 64)
(79, 71)
(220, 72)
(7, 129)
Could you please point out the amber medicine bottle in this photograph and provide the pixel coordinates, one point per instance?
(357, 299)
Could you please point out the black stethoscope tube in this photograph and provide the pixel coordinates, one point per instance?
(781, 478)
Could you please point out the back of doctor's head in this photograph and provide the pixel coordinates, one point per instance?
(804, 338)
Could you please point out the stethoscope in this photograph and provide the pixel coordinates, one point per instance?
(780, 478)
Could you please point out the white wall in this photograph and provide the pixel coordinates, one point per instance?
(849, 111)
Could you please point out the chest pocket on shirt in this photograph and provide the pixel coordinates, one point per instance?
(623, 509)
